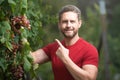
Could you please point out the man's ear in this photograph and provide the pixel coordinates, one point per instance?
(80, 23)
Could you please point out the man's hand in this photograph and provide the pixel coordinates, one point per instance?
(62, 52)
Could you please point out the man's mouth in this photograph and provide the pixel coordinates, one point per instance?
(68, 29)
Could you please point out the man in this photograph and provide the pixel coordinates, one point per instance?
(73, 58)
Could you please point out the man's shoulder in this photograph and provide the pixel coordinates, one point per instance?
(86, 43)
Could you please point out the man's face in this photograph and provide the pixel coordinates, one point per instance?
(69, 24)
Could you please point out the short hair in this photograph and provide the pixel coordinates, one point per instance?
(71, 8)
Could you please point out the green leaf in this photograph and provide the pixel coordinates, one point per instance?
(5, 26)
(27, 65)
(3, 65)
(4, 31)
(2, 40)
(23, 6)
(12, 4)
(2, 15)
(9, 45)
(30, 58)
(35, 66)
(1, 1)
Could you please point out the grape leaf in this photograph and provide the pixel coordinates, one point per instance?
(27, 65)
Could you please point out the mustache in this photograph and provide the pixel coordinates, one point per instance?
(68, 29)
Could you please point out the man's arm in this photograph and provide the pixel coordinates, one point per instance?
(39, 56)
(87, 72)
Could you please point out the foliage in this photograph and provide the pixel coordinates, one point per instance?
(90, 29)
(35, 15)
(15, 58)
(114, 38)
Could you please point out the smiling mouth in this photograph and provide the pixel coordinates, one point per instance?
(68, 31)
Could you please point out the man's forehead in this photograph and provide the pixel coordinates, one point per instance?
(69, 15)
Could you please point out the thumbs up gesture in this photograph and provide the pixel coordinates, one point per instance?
(62, 52)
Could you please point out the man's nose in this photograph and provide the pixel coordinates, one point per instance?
(68, 24)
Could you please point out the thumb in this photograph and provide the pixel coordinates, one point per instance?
(59, 43)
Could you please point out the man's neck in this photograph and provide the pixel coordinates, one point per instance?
(71, 41)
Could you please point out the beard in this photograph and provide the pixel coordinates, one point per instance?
(69, 33)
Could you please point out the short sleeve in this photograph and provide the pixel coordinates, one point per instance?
(47, 50)
(91, 56)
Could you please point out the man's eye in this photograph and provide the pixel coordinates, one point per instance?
(72, 21)
(64, 21)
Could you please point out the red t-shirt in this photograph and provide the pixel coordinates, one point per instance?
(81, 53)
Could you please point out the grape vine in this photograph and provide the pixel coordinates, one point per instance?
(15, 58)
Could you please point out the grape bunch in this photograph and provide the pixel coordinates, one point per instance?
(11, 54)
(20, 21)
(15, 47)
(17, 72)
